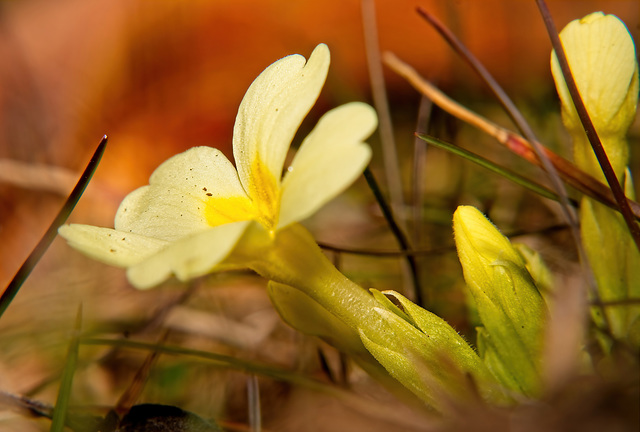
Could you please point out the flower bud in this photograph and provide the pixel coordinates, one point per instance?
(511, 309)
(602, 58)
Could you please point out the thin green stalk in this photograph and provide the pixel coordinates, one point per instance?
(64, 392)
(368, 407)
(219, 359)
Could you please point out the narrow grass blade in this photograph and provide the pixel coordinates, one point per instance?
(42, 246)
(218, 359)
(485, 163)
(370, 408)
(64, 392)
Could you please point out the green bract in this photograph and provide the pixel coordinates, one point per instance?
(427, 355)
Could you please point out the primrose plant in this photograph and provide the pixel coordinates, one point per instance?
(200, 214)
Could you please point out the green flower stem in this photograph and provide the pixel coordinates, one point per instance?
(417, 348)
(293, 258)
(314, 297)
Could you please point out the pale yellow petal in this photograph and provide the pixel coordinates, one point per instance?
(188, 257)
(197, 169)
(329, 160)
(270, 114)
(189, 192)
(110, 246)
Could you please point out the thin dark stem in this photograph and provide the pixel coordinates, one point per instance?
(391, 253)
(46, 240)
(624, 302)
(513, 113)
(589, 128)
(427, 252)
(397, 232)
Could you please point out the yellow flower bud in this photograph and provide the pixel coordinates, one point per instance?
(510, 307)
(602, 58)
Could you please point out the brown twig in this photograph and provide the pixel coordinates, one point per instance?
(569, 172)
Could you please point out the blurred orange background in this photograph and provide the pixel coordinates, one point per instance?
(161, 76)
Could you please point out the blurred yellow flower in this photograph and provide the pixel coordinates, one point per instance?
(602, 57)
(197, 206)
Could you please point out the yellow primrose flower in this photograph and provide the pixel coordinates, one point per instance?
(602, 57)
(197, 206)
